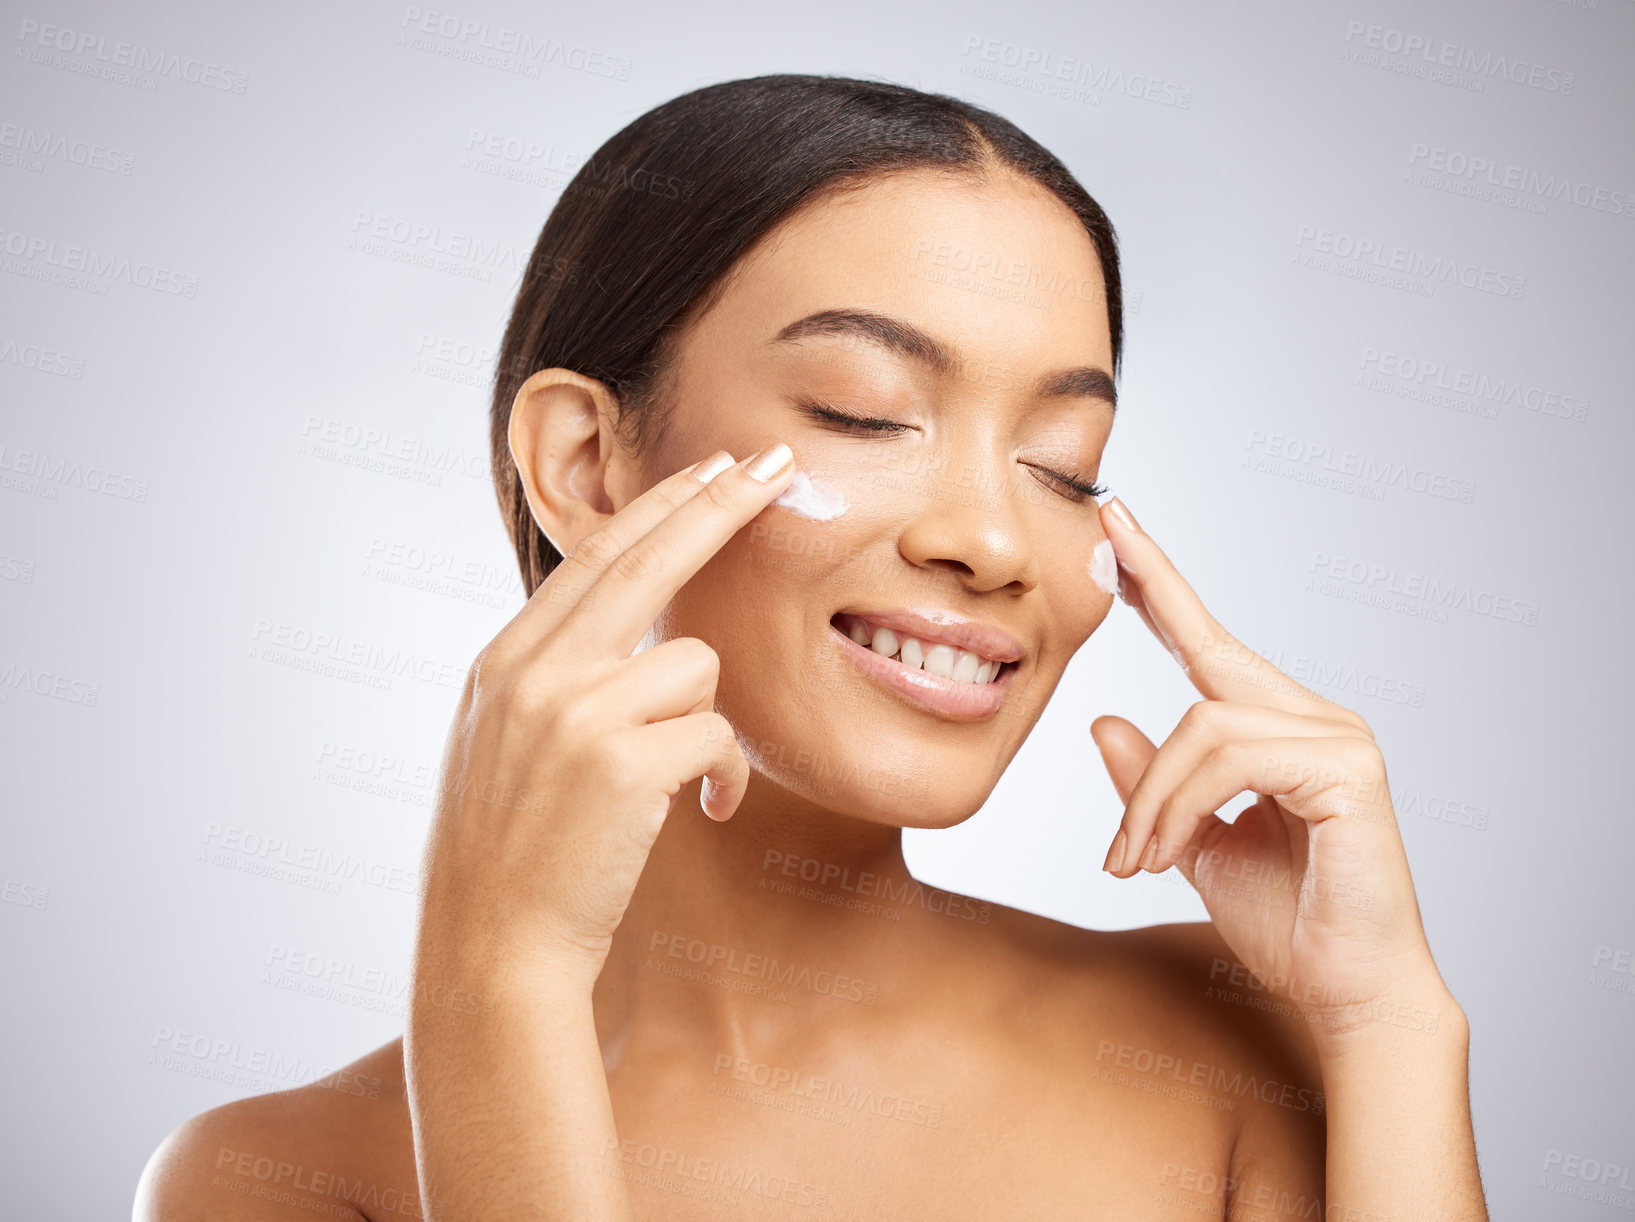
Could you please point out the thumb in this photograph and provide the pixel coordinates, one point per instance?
(1124, 749)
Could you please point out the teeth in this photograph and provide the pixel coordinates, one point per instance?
(939, 660)
(884, 642)
(960, 665)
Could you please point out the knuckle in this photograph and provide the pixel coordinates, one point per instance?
(1357, 721)
(595, 551)
(1204, 717)
(491, 676)
(1226, 757)
(719, 493)
(526, 695)
(616, 759)
(675, 496)
(552, 698)
(481, 671)
(1363, 756)
(568, 586)
(697, 651)
(1339, 713)
(637, 563)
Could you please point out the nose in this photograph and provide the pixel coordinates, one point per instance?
(974, 534)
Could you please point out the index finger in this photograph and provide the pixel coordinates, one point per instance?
(1219, 665)
(637, 582)
(565, 586)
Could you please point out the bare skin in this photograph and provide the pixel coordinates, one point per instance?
(594, 1031)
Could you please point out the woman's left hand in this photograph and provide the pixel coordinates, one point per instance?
(1309, 885)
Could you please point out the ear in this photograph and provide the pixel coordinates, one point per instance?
(567, 454)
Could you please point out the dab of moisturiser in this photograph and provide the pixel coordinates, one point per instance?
(1104, 567)
(821, 504)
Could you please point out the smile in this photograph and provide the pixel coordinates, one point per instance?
(953, 667)
(934, 655)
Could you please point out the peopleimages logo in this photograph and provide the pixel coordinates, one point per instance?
(1050, 72)
(1319, 462)
(87, 268)
(53, 471)
(279, 641)
(36, 146)
(1415, 593)
(1476, 169)
(1333, 250)
(46, 44)
(1591, 1179)
(499, 46)
(1423, 52)
(1416, 377)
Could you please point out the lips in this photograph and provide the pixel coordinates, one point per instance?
(979, 691)
(937, 627)
(933, 657)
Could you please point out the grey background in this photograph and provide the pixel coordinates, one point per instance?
(146, 720)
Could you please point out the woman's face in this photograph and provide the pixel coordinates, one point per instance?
(995, 299)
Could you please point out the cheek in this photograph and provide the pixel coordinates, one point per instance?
(818, 500)
(1081, 583)
(818, 528)
(1104, 567)
(812, 523)
(804, 534)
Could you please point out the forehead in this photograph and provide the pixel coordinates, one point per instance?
(999, 269)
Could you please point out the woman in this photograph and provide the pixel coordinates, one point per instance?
(670, 961)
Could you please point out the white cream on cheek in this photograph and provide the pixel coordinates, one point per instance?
(1104, 567)
(818, 502)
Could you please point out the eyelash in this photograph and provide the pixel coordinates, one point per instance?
(875, 424)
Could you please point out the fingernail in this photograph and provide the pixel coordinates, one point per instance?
(1117, 509)
(769, 462)
(1150, 854)
(1115, 855)
(713, 466)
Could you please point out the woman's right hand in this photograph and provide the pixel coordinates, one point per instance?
(567, 753)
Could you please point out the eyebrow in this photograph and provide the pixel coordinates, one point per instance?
(905, 339)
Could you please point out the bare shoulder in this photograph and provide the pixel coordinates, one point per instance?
(1166, 1007)
(1187, 966)
(341, 1147)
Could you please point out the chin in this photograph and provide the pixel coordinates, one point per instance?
(855, 783)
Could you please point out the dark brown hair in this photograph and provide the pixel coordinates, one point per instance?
(641, 240)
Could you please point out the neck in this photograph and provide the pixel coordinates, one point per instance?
(747, 932)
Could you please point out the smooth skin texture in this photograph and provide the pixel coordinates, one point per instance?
(679, 969)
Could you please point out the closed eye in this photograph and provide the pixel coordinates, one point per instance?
(846, 420)
(1080, 489)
